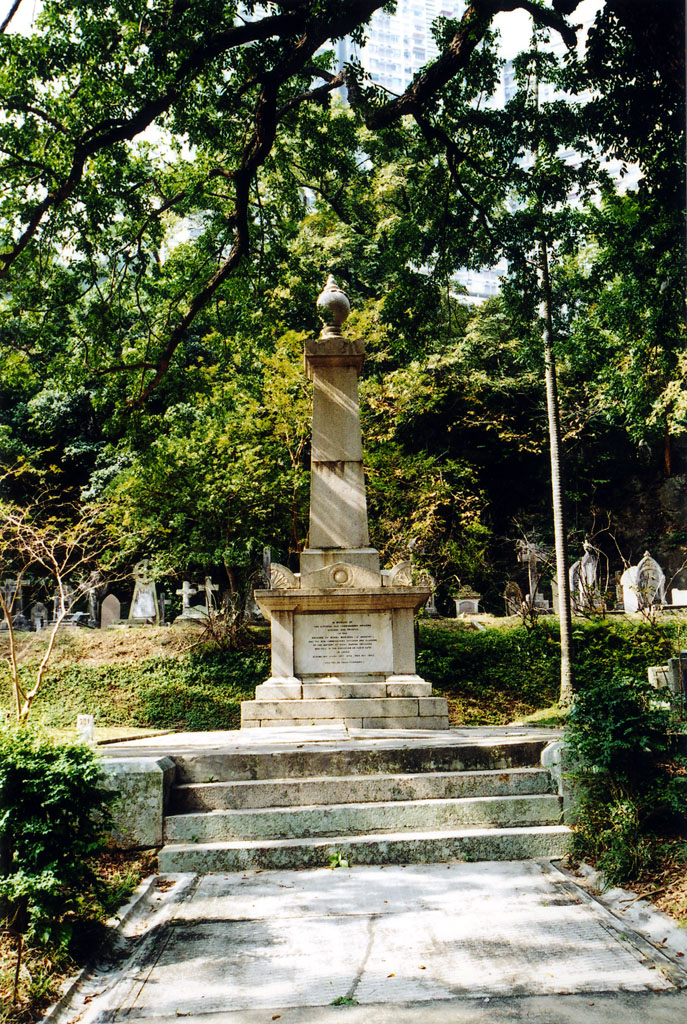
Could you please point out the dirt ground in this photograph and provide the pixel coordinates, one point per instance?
(105, 646)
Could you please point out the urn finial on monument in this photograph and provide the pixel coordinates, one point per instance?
(333, 308)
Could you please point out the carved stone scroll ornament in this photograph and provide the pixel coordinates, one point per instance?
(282, 578)
(401, 575)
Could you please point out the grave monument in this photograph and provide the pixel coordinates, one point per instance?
(144, 606)
(342, 630)
(643, 584)
(110, 611)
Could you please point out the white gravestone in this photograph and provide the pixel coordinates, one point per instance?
(652, 581)
(467, 605)
(678, 597)
(110, 611)
(85, 728)
(629, 581)
(144, 606)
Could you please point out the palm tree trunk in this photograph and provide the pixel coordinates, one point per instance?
(559, 524)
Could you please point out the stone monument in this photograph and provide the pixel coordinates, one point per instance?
(629, 581)
(342, 630)
(110, 610)
(144, 607)
(652, 581)
(584, 590)
(39, 616)
(643, 584)
(191, 612)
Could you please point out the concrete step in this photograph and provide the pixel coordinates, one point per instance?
(307, 761)
(212, 796)
(354, 712)
(360, 819)
(551, 841)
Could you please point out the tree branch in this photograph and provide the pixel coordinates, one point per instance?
(313, 94)
(11, 13)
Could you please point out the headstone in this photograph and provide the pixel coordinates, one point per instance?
(584, 592)
(85, 728)
(430, 609)
(39, 616)
(513, 598)
(95, 589)
(618, 589)
(62, 602)
(467, 603)
(144, 606)
(209, 589)
(677, 675)
(629, 581)
(658, 676)
(678, 597)
(110, 611)
(13, 596)
(252, 611)
(531, 554)
(163, 604)
(652, 581)
(189, 612)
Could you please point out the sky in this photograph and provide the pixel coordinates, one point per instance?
(515, 26)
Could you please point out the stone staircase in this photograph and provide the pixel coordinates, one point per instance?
(370, 805)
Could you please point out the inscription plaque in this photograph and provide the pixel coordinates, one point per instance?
(342, 642)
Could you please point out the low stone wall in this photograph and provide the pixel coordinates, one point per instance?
(558, 758)
(143, 785)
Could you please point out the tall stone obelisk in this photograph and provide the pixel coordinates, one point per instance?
(338, 506)
(343, 644)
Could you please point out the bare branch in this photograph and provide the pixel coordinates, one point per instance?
(313, 94)
(11, 13)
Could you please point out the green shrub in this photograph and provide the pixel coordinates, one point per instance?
(52, 820)
(496, 674)
(630, 792)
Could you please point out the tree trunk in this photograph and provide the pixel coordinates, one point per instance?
(667, 450)
(559, 524)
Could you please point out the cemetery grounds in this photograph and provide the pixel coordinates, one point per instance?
(143, 681)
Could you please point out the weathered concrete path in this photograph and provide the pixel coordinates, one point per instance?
(459, 942)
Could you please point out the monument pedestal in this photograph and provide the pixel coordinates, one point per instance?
(343, 642)
(345, 655)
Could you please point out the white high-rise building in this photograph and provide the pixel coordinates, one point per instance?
(400, 44)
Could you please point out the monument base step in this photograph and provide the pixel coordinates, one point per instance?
(354, 712)
(377, 816)
(551, 841)
(240, 794)
(343, 689)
